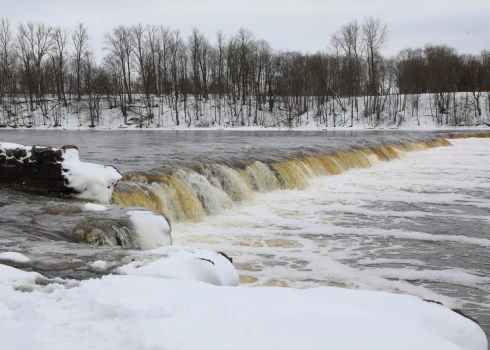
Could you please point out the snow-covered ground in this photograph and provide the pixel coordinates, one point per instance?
(137, 312)
(405, 112)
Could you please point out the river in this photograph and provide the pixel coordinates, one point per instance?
(404, 214)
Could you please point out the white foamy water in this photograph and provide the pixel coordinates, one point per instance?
(417, 225)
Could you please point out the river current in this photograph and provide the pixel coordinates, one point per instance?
(403, 213)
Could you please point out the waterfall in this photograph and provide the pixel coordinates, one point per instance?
(189, 194)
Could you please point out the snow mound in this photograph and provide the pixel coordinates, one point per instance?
(137, 312)
(13, 256)
(186, 263)
(90, 181)
(11, 274)
(94, 207)
(152, 228)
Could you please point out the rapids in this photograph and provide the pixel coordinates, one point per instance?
(405, 212)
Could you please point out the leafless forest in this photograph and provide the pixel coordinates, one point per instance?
(149, 74)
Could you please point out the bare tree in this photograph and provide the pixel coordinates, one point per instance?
(34, 42)
(7, 70)
(81, 42)
(349, 40)
(121, 44)
(143, 57)
(375, 36)
(59, 58)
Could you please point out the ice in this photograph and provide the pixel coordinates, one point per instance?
(188, 264)
(94, 207)
(90, 181)
(140, 312)
(15, 257)
(152, 228)
(99, 265)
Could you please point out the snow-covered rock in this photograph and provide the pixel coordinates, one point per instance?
(56, 170)
(185, 263)
(89, 181)
(4, 146)
(112, 225)
(140, 312)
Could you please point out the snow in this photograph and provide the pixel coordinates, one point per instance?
(140, 312)
(187, 264)
(94, 207)
(152, 228)
(99, 265)
(10, 274)
(10, 145)
(90, 181)
(15, 257)
(417, 114)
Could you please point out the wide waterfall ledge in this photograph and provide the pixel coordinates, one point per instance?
(142, 312)
(54, 170)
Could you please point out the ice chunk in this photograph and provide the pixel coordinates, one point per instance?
(152, 228)
(99, 265)
(94, 207)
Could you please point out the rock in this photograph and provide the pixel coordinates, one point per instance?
(108, 232)
(40, 169)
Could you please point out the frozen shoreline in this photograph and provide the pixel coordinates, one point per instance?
(252, 128)
(141, 312)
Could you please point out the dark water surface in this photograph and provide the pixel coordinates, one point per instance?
(143, 150)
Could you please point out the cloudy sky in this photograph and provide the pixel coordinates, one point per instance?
(304, 25)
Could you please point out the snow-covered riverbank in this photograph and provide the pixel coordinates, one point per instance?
(134, 312)
(400, 112)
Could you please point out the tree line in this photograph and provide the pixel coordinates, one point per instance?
(53, 70)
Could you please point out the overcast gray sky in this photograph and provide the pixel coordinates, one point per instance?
(304, 25)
